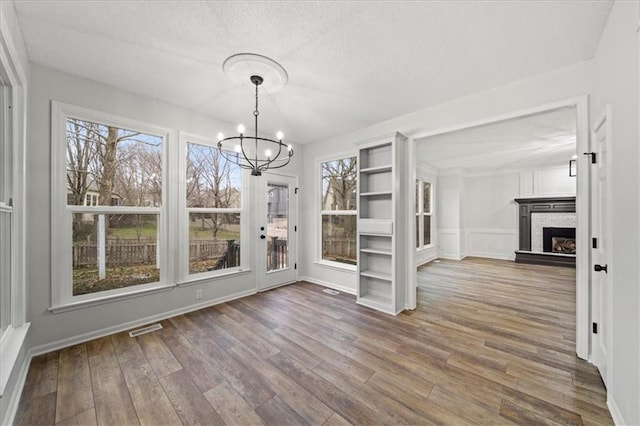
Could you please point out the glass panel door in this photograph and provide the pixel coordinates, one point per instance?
(277, 226)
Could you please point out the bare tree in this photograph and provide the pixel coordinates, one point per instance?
(339, 183)
(209, 184)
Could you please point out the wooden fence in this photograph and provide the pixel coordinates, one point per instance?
(344, 248)
(126, 252)
(277, 254)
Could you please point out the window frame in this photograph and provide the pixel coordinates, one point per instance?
(186, 278)
(62, 297)
(320, 212)
(14, 93)
(420, 181)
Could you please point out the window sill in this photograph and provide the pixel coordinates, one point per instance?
(342, 267)
(200, 279)
(107, 299)
(10, 348)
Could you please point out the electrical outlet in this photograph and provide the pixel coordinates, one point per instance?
(198, 294)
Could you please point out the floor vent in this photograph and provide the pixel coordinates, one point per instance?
(145, 330)
(331, 292)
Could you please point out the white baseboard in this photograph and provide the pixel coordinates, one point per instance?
(54, 346)
(499, 256)
(451, 256)
(12, 408)
(615, 411)
(329, 285)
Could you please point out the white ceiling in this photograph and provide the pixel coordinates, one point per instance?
(350, 63)
(535, 141)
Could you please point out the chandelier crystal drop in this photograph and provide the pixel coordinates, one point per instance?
(251, 151)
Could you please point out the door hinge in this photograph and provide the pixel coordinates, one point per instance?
(295, 266)
(295, 191)
(593, 156)
(594, 243)
(594, 328)
(295, 228)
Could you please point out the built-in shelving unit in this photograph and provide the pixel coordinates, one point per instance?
(381, 213)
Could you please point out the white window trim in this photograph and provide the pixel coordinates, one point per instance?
(420, 202)
(318, 208)
(14, 77)
(62, 298)
(185, 278)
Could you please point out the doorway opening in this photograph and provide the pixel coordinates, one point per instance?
(483, 166)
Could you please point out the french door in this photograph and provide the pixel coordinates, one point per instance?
(276, 235)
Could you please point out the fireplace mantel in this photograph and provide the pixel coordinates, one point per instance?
(527, 206)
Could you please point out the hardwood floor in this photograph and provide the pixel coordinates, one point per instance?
(492, 342)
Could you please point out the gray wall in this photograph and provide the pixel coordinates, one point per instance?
(46, 85)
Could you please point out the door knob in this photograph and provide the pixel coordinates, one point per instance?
(262, 237)
(599, 268)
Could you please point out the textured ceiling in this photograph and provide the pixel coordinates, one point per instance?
(535, 141)
(350, 64)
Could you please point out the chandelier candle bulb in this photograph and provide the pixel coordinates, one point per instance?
(241, 129)
(280, 135)
(268, 153)
(220, 136)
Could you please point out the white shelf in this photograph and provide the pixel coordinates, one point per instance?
(374, 193)
(381, 249)
(377, 302)
(376, 251)
(377, 274)
(377, 169)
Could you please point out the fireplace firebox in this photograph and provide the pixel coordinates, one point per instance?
(559, 240)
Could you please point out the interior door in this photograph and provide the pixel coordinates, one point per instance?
(277, 230)
(601, 231)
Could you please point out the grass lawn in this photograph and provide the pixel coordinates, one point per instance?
(85, 279)
(195, 231)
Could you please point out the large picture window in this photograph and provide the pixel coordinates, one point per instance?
(339, 185)
(213, 193)
(109, 192)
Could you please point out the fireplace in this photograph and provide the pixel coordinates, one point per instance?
(559, 240)
(547, 231)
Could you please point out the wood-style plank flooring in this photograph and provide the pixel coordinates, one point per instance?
(492, 342)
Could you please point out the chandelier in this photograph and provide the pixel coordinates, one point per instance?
(253, 152)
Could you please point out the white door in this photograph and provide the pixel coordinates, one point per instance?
(601, 247)
(277, 230)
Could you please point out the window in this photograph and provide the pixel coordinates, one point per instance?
(13, 327)
(213, 195)
(110, 219)
(424, 207)
(6, 214)
(339, 185)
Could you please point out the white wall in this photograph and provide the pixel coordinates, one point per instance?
(616, 83)
(47, 328)
(478, 212)
(448, 208)
(490, 215)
